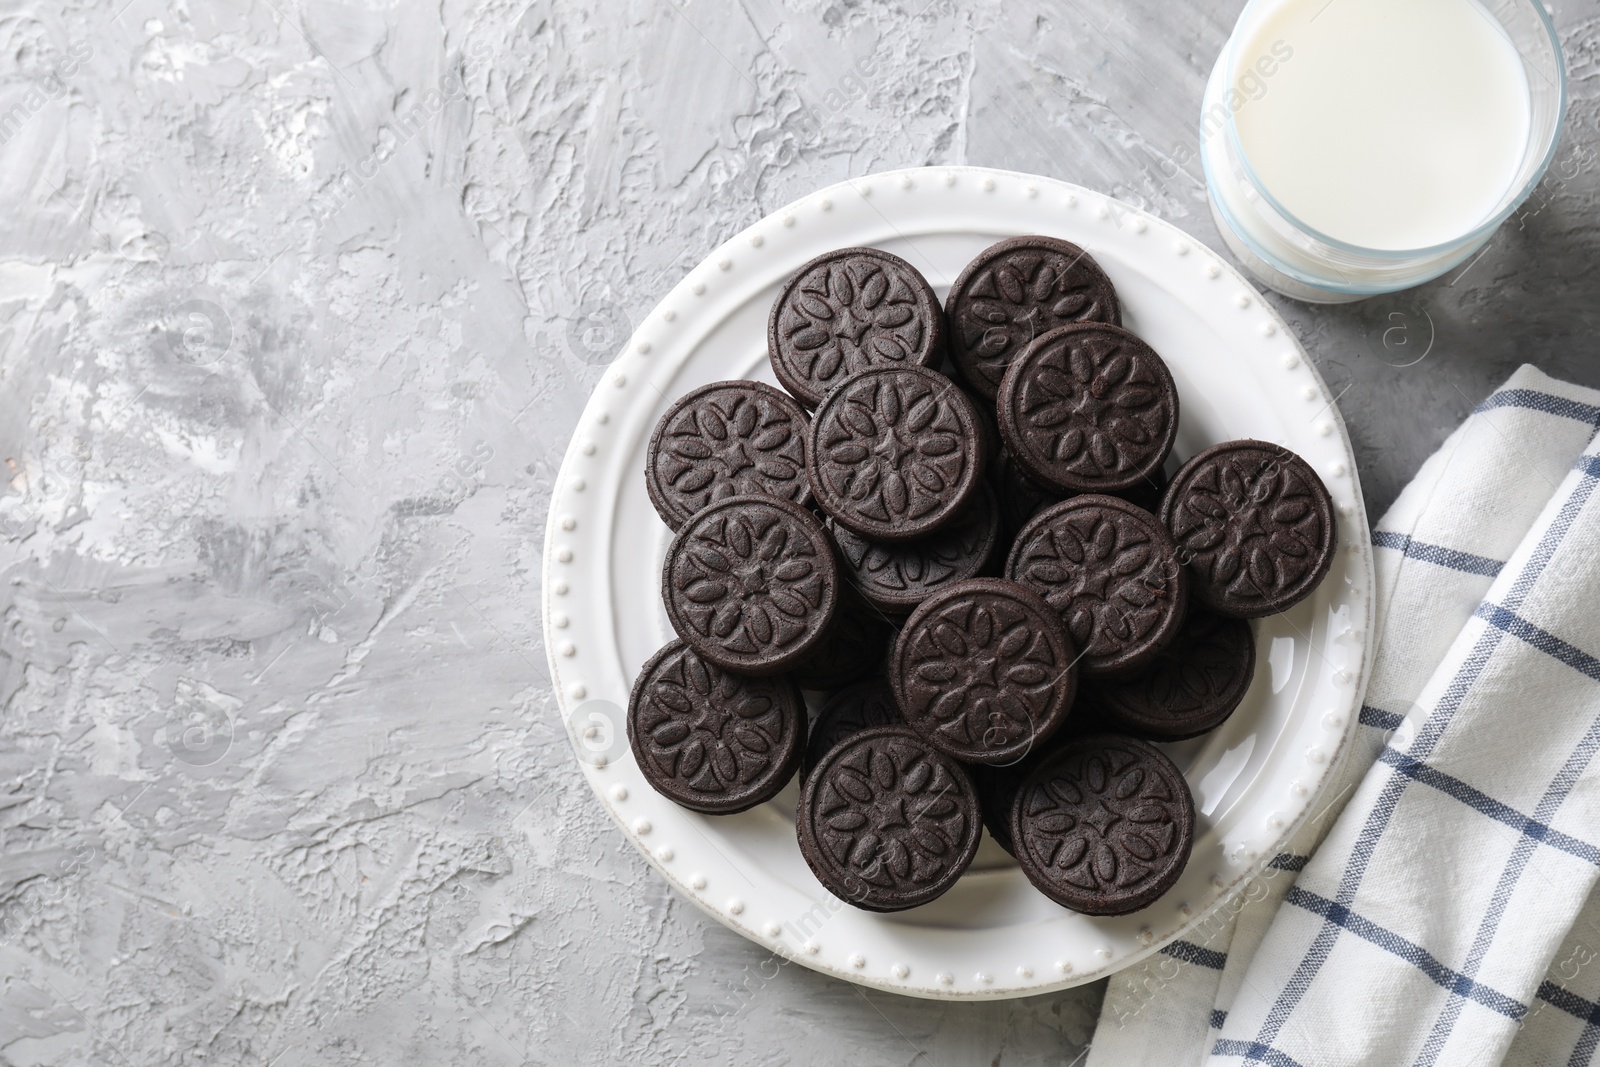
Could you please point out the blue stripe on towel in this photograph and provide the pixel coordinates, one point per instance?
(1436, 554)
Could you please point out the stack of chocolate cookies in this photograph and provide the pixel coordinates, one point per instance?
(957, 525)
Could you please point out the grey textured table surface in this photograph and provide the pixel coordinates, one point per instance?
(287, 299)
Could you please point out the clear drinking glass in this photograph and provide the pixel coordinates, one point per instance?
(1290, 256)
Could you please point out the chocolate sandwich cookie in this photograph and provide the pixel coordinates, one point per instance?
(1112, 572)
(725, 439)
(750, 584)
(853, 647)
(849, 310)
(1088, 409)
(985, 670)
(1255, 527)
(849, 711)
(1193, 686)
(712, 741)
(895, 453)
(886, 821)
(1013, 292)
(1104, 826)
(894, 578)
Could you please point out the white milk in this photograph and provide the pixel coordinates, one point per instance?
(1387, 124)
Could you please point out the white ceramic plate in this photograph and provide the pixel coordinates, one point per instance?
(1240, 374)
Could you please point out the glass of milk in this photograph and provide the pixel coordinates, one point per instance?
(1354, 147)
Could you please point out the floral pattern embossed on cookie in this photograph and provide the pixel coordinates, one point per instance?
(1255, 527)
(854, 309)
(708, 733)
(888, 812)
(1091, 407)
(751, 583)
(1255, 524)
(1103, 819)
(895, 452)
(727, 439)
(983, 670)
(1018, 295)
(1109, 571)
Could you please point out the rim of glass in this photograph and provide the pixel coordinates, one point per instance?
(1485, 228)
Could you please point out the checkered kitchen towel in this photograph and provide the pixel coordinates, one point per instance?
(1421, 929)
